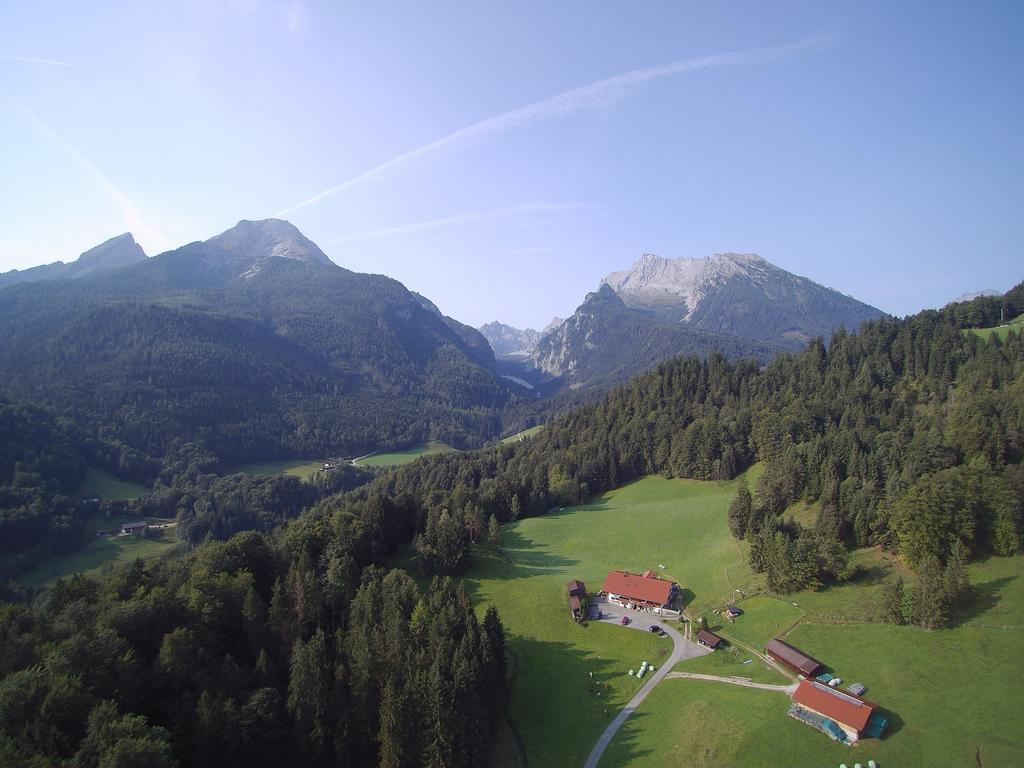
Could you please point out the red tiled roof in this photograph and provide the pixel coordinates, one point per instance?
(844, 708)
(638, 587)
(574, 603)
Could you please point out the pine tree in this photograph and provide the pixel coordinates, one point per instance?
(893, 601)
(494, 531)
(930, 604)
(740, 509)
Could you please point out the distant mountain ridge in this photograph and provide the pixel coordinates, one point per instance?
(255, 343)
(739, 294)
(116, 252)
(513, 343)
(605, 342)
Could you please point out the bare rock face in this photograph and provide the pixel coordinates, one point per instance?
(511, 343)
(258, 241)
(739, 294)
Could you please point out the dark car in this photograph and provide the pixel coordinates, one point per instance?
(656, 628)
(624, 620)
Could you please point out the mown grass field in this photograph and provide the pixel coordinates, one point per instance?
(951, 694)
(1016, 325)
(652, 522)
(520, 436)
(300, 468)
(404, 457)
(99, 553)
(106, 486)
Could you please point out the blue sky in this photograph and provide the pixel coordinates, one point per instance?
(502, 157)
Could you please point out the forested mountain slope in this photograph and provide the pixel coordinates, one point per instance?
(859, 427)
(252, 343)
(296, 649)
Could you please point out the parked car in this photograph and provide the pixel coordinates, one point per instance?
(656, 628)
(624, 620)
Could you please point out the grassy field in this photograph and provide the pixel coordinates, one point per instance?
(106, 486)
(733, 662)
(520, 436)
(98, 553)
(404, 457)
(300, 468)
(950, 694)
(677, 523)
(1017, 325)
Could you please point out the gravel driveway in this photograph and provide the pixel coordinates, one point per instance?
(683, 649)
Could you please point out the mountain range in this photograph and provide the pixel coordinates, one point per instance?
(739, 305)
(253, 343)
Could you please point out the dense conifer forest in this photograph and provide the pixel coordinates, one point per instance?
(295, 647)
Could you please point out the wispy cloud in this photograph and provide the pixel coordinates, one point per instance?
(592, 95)
(461, 219)
(30, 60)
(151, 238)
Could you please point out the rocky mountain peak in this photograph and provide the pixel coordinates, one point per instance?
(261, 240)
(115, 252)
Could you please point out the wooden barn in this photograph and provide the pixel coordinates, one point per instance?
(577, 599)
(710, 639)
(794, 658)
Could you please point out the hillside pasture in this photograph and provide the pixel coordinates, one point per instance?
(394, 458)
(681, 524)
(300, 468)
(104, 485)
(98, 553)
(949, 694)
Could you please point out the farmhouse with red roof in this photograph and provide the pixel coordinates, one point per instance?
(643, 591)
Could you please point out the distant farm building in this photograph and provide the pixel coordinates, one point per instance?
(794, 658)
(710, 639)
(732, 611)
(645, 592)
(135, 529)
(843, 716)
(577, 598)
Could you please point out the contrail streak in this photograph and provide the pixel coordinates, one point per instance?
(151, 237)
(29, 60)
(596, 94)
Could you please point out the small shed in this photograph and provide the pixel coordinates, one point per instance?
(576, 588)
(710, 639)
(732, 611)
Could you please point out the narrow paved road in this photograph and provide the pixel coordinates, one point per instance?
(682, 649)
(734, 681)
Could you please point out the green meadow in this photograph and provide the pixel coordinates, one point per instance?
(649, 523)
(300, 468)
(100, 553)
(395, 458)
(520, 436)
(106, 486)
(944, 707)
(1016, 325)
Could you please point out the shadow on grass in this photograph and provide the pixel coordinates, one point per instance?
(560, 701)
(895, 723)
(978, 599)
(626, 746)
